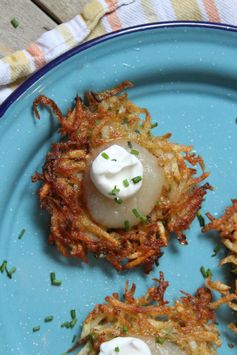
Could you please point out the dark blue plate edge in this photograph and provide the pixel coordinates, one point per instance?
(82, 47)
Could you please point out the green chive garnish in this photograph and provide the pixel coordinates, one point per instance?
(139, 215)
(66, 325)
(205, 272)
(125, 183)
(36, 329)
(216, 250)
(48, 319)
(160, 340)
(21, 233)
(3, 266)
(105, 156)
(114, 159)
(116, 349)
(10, 272)
(53, 280)
(130, 145)
(126, 225)
(14, 22)
(201, 219)
(73, 313)
(118, 200)
(134, 152)
(115, 191)
(73, 323)
(57, 283)
(125, 329)
(154, 125)
(236, 120)
(136, 179)
(74, 338)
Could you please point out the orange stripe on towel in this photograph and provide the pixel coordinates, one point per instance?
(37, 53)
(112, 17)
(211, 10)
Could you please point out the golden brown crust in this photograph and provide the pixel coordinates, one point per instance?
(189, 320)
(86, 127)
(226, 226)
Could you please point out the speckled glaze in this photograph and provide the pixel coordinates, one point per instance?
(187, 77)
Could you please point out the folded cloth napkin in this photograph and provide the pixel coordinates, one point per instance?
(104, 16)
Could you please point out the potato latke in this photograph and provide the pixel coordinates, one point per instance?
(106, 117)
(189, 323)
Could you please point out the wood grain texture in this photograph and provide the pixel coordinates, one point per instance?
(32, 23)
(61, 10)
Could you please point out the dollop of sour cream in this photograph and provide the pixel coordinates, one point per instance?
(124, 346)
(117, 173)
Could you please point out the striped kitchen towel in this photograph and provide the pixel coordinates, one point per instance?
(100, 17)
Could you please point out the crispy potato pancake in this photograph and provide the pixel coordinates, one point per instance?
(226, 225)
(188, 324)
(102, 119)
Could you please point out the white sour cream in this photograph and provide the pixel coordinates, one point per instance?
(115, 172)
(124, 346)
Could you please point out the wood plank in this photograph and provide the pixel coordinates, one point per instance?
(61, 10)
(32, 23)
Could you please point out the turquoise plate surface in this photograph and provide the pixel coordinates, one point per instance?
(186, 75)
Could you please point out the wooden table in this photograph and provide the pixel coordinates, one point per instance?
(34, 18)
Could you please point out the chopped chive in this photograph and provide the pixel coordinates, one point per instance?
(14, 22)
(201, 219)
(137, 131)
(53, 280)
(125, 329)
(236, 120)
(36, 329)
(139, 215)
(154, 125)
(74, 338)
(118, 200)
(97, 122)
(105, 155)
(125, 183)
(3, 266)
(73, 323)
(10, 272)
(48, 319)
(73, 313)
(130, 145)
(216, 250)
(126, 225)
(52, 276)
(56, 283)
(160, 340)
(114, 191)
(136, 179)
(21, 233)
(134, 152)
(66, 325)
(116, 349)
(205, 272)
(114, 159)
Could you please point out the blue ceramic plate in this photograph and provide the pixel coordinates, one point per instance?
(186, 75)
